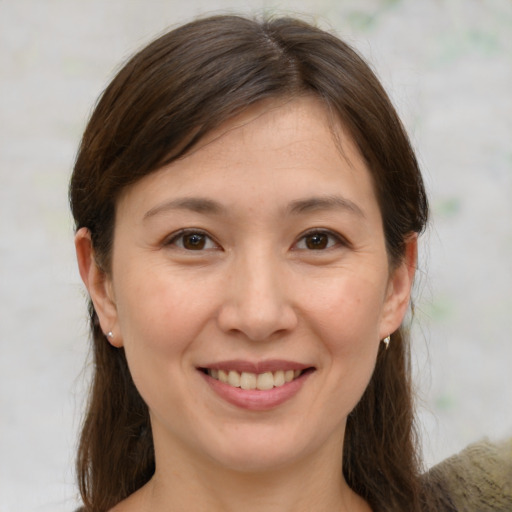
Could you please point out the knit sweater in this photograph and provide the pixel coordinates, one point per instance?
(478, 479)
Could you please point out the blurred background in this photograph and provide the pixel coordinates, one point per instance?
(447, 65)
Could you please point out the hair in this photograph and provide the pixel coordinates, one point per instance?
(161, 103)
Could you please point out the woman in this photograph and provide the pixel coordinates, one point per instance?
(247, 207)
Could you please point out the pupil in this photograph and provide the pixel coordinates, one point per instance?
(318, 241)
(195, 241)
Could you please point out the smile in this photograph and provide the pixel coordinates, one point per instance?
(256, 386)
(247, 380)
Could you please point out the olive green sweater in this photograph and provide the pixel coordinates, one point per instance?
(478, 479)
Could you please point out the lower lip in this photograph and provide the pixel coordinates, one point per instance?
(255, 399)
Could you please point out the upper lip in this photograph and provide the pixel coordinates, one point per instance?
(270, 365)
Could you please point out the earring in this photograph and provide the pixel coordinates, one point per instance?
(110, 334)
(386, 341)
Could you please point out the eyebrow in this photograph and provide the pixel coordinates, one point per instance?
(333, 202)
(195, 204)
(299, 206)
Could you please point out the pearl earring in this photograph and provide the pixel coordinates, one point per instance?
(110, 334)
(386, 341)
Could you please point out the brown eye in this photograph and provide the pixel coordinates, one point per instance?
(316, 241)
(194, 241)
(191, 240)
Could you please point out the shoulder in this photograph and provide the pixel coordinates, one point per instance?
(477, 479)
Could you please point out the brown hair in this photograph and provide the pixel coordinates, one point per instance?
(159, 105)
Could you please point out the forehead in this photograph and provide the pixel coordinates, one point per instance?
(296, 121)
(288, 148)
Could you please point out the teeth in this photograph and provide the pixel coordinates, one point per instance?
(261, 381)
(279, 378)
(234, 379)
(265, 381)
(248, 380)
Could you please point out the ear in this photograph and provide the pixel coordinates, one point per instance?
(399, 289)
(98, 284)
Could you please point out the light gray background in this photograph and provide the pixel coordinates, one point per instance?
(447, 65)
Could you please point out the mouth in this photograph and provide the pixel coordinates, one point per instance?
(260, 381)
(257, 386)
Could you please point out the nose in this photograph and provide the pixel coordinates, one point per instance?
(257, 299)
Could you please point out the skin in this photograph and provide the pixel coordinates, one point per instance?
(254, 291)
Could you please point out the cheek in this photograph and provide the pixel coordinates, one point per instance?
(349, 311)
(160, 321)
(160, 316)
(348, 320)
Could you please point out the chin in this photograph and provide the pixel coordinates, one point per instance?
(262, 450)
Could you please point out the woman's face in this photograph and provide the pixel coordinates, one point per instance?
(258, 258)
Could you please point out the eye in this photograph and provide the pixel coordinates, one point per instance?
(192, 240)
(318, 241)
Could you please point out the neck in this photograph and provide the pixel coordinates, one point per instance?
(305, 485)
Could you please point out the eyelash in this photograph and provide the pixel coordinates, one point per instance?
(333, 240)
